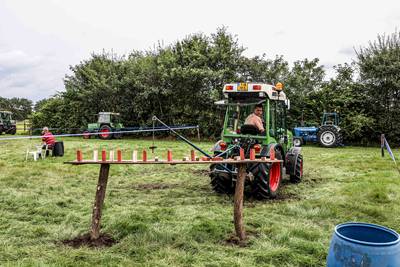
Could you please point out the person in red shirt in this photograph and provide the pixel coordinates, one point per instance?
(48, 138)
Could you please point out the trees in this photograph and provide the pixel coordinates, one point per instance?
(379, 65)
(180, 83)
(20, 107)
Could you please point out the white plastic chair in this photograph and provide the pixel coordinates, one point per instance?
(37, 153)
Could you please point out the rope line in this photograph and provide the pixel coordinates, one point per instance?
(102, 133)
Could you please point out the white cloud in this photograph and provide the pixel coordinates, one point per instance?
(40, 39)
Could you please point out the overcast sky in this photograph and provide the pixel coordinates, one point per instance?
(39, 40)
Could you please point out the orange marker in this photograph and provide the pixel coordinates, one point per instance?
(192, 155)
(144, 155)
(103, 155)
(241, 153)
(252, 154)
(119, 155)
(79, 155)
(169, 155)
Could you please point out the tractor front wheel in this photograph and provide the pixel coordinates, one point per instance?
(267, 178)
(105, 132)
(297, 141)
(118, 135)
(221, 181)
(298, 170)
(86, 135)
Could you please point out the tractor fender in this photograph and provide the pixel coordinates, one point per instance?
(266, 149)
(291, 159)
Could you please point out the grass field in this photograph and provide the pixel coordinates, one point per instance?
(169, 216)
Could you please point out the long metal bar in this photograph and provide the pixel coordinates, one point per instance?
(190, 143)
(183, 138)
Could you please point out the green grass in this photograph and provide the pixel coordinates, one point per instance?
(184, 223)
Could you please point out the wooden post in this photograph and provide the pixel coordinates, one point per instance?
(99, 200)
(238, 202)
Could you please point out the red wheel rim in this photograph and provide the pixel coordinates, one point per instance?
(274, 176)
(105, 132)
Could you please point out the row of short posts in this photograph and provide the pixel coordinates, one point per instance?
(79, 155)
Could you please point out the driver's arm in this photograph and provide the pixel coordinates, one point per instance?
(259, 124)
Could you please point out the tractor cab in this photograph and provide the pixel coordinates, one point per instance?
(241, 100)
(265, 134)
(7, 124)
(108, 118)
(330, 118)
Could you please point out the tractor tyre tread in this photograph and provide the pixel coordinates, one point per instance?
(298, 175)
(221, 182)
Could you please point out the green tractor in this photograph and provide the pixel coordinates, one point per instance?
(7, 124)
(263, 179)
(107, 124)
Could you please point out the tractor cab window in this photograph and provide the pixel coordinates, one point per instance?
(277, 123)
(236, 118)
(6, 116)
(104, 118)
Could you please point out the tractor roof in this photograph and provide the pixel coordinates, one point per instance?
(250, 89)
(109, 113)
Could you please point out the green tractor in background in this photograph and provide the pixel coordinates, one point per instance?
(7, 124)
(107, 124)
(263, 179)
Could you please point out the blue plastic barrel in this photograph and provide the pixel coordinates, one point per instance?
(364, 244)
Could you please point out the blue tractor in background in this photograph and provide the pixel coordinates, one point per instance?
(327, 135)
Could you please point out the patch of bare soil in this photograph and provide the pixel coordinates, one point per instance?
(251, 202)
(233, 240)
(105, 240)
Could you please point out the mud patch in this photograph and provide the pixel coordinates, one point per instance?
(105, 240)
(286, 196)
(251, 202)
(233, 240)
(154, 186)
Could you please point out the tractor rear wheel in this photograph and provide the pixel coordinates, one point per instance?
(267, 178)
(298, 170)
(329, 136)
(221, 181)
(105, 132)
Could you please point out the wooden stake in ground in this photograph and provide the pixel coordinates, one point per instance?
(99, 201)
(238, 202)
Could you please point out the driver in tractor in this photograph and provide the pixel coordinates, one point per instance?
(255, 118)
